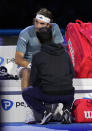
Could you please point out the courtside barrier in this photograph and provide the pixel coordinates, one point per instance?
(12, 105)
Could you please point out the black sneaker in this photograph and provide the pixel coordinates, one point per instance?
(66, 117)
(47, 117)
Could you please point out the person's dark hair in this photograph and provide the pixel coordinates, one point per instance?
(46, 13)
(44, 35)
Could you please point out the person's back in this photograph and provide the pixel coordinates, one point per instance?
(55, 70)
(51, 78)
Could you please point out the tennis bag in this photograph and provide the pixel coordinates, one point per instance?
(82, 110)
(79, 41)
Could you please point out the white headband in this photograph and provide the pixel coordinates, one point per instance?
(43, 18)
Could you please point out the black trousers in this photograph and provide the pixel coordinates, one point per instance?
(35, 99)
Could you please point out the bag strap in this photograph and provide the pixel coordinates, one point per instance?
(84, 32)
(89, 103)
(79, 21)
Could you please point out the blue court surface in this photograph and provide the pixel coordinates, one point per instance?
(48, 127)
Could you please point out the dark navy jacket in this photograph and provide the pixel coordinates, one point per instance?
(52, 70)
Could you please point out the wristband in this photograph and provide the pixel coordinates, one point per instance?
(29, 65)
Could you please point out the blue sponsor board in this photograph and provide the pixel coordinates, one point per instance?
(1, 60)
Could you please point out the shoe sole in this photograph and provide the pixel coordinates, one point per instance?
(47, 119)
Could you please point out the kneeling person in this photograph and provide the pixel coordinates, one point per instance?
(51, 77)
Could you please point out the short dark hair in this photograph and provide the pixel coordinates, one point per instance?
(44, 35)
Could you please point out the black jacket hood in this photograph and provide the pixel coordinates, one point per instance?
(53, 49)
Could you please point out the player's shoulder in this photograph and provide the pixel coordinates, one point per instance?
(27, 29)
(54, 25)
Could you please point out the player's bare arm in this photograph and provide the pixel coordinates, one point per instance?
(20, 60)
